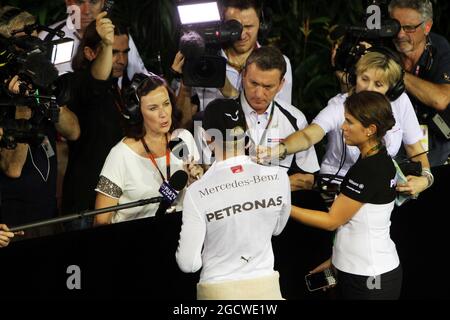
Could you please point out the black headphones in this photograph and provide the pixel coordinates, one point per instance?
(398, 88)
(132, 107)
(7, 16)
(264, 25)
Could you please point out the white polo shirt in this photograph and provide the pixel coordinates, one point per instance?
(286, 119)
(206, 95)
(229, 217)
(135, 63)
(331, 118)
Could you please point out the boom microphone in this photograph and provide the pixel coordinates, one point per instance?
(389, 29)
(192, 45)
(170, 190)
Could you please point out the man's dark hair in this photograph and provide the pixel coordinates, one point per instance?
(153, 82)
(92, 40)
(243, 5)
(267, 58)
(370, 107)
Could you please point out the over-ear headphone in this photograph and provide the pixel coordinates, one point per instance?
(395, 91)
(132, 107)
(264, 24)
(10, 14)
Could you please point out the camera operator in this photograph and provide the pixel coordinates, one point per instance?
(28, 172)
(426, 57)
(248, 13)
(89, 9)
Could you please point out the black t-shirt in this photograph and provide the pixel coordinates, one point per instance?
(433, 66)
(32, 196)
(371, 180)
(101, 128)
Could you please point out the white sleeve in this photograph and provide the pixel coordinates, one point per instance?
(307, 159)
(286, 207)
(192, 236)
(135, 63)
(114, 173)
(332, 116)
(285, 93)
(412, 132)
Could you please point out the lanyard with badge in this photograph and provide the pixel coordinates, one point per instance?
(263, 136)
(153, 161)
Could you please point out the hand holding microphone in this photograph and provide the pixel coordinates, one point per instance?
(180, 150)
(170, 190)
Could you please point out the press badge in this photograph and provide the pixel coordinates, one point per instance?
(424, 140)
(46, 145)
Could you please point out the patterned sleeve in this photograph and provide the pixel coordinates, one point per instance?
(109, 188)
(111, 180)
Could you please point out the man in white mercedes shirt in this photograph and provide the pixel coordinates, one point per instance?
(230, 215)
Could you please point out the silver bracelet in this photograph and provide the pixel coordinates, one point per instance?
(426, 172)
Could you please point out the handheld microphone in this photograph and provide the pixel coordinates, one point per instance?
(179, 149)
(169, 191)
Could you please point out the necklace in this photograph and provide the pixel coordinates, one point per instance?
(373, 150)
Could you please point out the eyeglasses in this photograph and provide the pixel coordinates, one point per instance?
(411, 29)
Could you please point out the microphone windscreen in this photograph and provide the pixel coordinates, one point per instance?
(192, 45)
(178, 180)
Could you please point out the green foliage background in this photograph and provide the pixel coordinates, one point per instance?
(299, 27)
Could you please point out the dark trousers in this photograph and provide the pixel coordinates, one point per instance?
(386, 286)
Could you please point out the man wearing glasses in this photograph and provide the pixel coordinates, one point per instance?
(426, 58)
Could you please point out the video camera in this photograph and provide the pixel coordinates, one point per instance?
(204, 34)
(40, 89)
(379, 35)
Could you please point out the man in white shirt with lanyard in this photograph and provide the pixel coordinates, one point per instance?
(230, 215)
(89, 9)
(269, 120)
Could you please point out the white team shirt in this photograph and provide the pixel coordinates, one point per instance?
(232, 213)
(331, 118)
(128, 177)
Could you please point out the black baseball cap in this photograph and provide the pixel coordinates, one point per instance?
(226, 116)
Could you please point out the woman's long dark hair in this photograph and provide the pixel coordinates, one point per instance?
(153, 82)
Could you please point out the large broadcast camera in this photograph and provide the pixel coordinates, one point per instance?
(40, 89)
(204, 34)
(350, 48)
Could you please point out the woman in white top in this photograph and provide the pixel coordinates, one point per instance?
(364, 255)
(138, 165)
(377, 72)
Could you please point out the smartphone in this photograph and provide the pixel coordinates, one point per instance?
(62, 50)
(324, 279)
(108, 6)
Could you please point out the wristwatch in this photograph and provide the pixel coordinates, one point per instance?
(283, 155)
